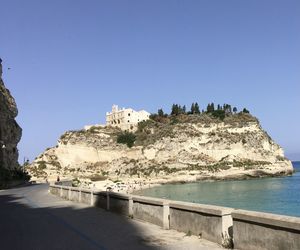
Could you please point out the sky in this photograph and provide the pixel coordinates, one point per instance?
(70, 60)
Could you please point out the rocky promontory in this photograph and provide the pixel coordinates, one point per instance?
(185, 147)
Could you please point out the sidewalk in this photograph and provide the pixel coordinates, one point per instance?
(78, 226)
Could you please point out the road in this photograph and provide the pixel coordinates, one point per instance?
(33, 219)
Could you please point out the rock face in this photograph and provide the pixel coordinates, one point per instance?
(10, 131)
(181, 148)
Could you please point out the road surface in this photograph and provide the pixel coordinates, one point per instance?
(33, 219)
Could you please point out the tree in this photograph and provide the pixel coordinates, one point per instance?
(210, 108)
(193, 108)
(184, 109)
(246, 111)
(227, 108)
(174, 110)
(160, 113)
(197, 108)
(234, 110)
(127, 138)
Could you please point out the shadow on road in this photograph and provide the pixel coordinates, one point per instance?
(57, 224)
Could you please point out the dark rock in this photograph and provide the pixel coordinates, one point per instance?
(10, 131)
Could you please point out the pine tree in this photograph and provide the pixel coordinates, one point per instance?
(246, 111)
(160, 113)
(197, 108)
(234, 109)
(208, 109)
(173, 111)
(176, 109)
(193, 108)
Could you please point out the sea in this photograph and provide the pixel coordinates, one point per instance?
(279, 195)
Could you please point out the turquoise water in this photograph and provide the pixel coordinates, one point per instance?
(274, 195)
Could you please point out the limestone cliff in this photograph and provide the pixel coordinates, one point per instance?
(10, 131)
(181, 148)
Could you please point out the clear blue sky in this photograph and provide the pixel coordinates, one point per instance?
(71, 60)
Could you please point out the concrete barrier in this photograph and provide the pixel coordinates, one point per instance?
(260, 231)
(65, 193)
(86, 197)
(119, 203)
(247, 230)
(209, 222)
(100, 199)
(150, 210)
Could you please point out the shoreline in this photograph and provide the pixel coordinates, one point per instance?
(133, 185)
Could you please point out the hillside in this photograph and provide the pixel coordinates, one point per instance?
(173, 148)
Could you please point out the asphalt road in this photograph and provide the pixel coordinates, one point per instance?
(31, 218)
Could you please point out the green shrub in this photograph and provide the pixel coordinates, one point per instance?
(219, 114)
(126, 138)
(76, 182)
(42, 165)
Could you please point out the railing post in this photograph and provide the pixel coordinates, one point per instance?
(61, 192)
(79, 198)
(130, 206)
(166, 215)
(69, 194)
(92, 197)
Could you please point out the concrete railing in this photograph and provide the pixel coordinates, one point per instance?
(209, 222)
(255, 230)
(246, 229)
(213, 223)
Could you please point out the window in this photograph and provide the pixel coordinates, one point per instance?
(128, 121)
(128, 114)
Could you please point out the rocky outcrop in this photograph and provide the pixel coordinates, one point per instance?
(10, 131)
(181, 148)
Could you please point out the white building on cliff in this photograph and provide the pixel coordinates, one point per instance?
(126, 119)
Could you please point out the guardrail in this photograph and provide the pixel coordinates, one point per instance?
(225, 226)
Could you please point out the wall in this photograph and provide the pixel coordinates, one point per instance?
(150, 210)
(259, 231)
(160, 212)
(209, 222)
(246, 229)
